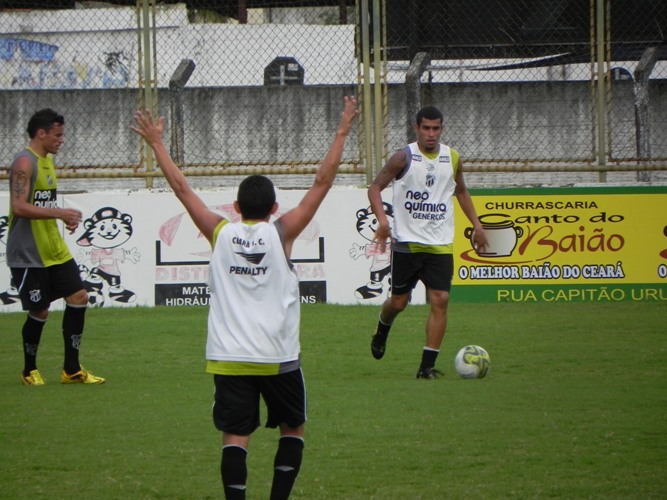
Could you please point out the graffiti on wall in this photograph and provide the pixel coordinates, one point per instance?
(29, 64)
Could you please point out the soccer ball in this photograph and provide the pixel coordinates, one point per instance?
(472, 361)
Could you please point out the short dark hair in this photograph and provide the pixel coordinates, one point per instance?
(256, 197)
(43, 119)
(430, 113)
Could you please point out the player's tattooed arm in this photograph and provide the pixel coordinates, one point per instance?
(391, 170)
(21, 174)
(20, 182)
(20, 177)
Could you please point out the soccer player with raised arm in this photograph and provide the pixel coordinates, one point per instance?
(253, 323)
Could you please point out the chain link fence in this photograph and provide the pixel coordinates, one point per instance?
(257, 86)
(579, 82)
(262, 95)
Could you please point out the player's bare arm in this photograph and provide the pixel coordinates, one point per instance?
(294, 221)
(20, 182)
(21, 173)
(151, 130)
(391, 170)
(468, 207)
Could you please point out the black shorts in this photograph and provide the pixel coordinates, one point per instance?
(39, 286)
(236, 405)
(434, 270)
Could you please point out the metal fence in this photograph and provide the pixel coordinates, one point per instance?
(616, 47)
(257, 85)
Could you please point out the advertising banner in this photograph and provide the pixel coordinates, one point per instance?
(565, 244)
(545, 244)
(142, 249)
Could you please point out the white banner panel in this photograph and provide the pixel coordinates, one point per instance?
(141, 248)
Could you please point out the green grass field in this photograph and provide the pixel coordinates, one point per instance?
(575, 406)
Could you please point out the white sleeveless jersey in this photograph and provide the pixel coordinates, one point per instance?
(423, 199)
(254, 297)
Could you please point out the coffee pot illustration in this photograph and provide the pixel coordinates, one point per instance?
(501, 234)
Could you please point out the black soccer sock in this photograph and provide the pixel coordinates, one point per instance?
(73, 320)
(234, 472)
(31, 334)
(383, 328)
(428, 358)
(286, 466)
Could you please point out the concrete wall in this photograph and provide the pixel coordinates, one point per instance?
(534, 121)
(491, 122)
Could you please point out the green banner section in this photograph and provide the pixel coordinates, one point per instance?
(616, 292)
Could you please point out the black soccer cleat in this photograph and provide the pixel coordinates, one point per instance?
(378, 345)
(429, 373)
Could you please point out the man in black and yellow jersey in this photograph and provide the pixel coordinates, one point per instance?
(40, 262)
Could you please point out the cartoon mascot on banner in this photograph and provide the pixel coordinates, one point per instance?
(105, 232)
(380, 261)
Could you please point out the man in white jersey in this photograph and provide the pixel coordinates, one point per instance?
(426, 176)
(252, 346)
